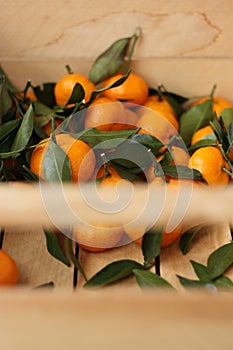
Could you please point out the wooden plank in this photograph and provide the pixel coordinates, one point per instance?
(188, 76)
(176, 28)
(36, 266)
(173, 262)
(109, 320)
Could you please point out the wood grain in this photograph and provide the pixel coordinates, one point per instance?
(187, 46)
(110, 320)
(36, 266)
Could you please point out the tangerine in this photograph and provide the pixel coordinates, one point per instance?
(81, 157)
(163, 127)
(9, 273)
(219, 104)
(203, 133)
(210, 162)
(105, 114)
(134, 89)
(64, 87)
(158, 104)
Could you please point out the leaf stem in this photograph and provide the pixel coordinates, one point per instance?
(75, 261)
(227, 161)
(134, 40)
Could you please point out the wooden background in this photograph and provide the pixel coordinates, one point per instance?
(186, 45)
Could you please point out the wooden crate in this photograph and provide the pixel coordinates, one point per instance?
(185, 45)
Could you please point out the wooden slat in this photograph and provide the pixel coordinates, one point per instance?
(36, 266)
(112, 320)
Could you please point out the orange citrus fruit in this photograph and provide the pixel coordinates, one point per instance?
(202, 134)
(9, 273)
(97, 237)
(163, 127)
(65, 85)
(105, 114)
(209, 161)
(136, 234)
(180, 156)
(219, 104)
(158, 104)
(81, 157)
(134, 89)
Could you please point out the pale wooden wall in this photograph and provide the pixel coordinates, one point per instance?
(184, 44)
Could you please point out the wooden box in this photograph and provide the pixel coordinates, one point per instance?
(186, 46)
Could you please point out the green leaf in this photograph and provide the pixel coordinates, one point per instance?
(10, 86)
(220, 260)
(182, 172)
(126, 173)
(8, 127)
(113, 272)
(149, 279)
(104, 139)
(56, 164)
(45, 94)
(195, 118)
(110, 61)
(211, 140)
(25, 131)
(131, 154)
(5, 100)
(186, 282)
(220, 133)
(223, 282)
(54, 246)
(227, 116)
(45, 285)
(230, 134)
(41, 109)
(117, 83)
(151, 244)
(77, 94)
(149, 141)
(187, 238)
(201, 271)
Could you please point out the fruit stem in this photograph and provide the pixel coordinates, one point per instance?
(160, 94)
(134, 40)
(75, 261)
(105, 162)
(213, 91)
(69, 70)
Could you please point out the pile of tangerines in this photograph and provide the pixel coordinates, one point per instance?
(121, 104)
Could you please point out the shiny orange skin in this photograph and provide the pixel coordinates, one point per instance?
(163, 127)
(134, 89)
(202, 134)
(167, 238)
(65, 85)
(158, 104)
(9, 273)
(80, 154)
(105, 114)
(209, 161)
(219, 104)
